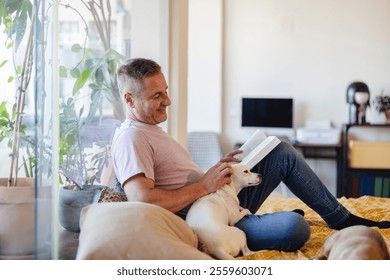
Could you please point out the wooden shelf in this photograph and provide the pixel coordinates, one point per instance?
(348, 173)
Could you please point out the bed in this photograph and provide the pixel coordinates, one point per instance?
(371, 207)
(117, 230)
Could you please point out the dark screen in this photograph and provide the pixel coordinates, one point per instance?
(267, 112)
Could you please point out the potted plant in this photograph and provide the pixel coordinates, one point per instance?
(82, 160)
(80, 166)
(16, 201)
(95, 71)
(382, 104)
(18, 194)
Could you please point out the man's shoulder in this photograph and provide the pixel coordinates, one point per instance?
(135, 132)
(128, 133)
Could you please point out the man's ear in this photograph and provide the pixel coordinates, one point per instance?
(129, 98)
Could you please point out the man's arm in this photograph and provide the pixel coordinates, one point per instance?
(140, 188)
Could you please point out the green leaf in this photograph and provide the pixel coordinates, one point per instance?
(29, 7)
(13, 112)
(109, 96)
(76, 48)
(94, 87)
(13, 5)
(112, 65)
(99, 76)
(63, 72)
(81, 111)
(96, 102)
(3, 110)
(21, 29)
(75, 73)
(26, 170)
(81, 80)
(3, 124)
(10, 44)
(20, 23)
(2, 10)
(10, 79)
(117, 56)
(3, 63)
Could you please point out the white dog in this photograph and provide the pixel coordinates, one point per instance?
(212, 216)
(355, 243)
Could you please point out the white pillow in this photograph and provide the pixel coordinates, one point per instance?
(136, 231)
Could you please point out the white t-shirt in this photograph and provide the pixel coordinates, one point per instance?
(143, 148)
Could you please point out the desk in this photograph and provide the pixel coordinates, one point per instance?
(321, 151)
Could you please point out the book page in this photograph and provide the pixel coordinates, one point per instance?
(259, 152)
(253, 141)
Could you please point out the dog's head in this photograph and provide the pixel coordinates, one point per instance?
(355, 243)
(242, 177)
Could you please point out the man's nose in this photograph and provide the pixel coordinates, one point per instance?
(166, 101)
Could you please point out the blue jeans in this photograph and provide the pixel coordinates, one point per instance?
(286, 231)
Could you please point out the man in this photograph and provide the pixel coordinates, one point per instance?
(153, 168)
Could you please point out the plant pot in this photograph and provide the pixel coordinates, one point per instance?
(387, 114)
(72, 200)
(18, 223)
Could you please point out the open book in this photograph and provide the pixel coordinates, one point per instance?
(256, 148)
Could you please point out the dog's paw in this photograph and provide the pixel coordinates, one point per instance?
(246, 251)
(245, 211)
(203, 248)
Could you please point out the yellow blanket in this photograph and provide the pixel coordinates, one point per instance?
(375, 208)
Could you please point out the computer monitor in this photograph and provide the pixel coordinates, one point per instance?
(267, 112)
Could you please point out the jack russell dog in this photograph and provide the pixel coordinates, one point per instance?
(355, 243)
(213, 216)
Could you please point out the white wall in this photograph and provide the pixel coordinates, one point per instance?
(205, 65)
(308, 50)
(145, 22)
(149, 28)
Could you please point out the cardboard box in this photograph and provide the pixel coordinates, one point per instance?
(370, 155)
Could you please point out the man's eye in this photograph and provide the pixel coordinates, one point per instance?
(246, 171)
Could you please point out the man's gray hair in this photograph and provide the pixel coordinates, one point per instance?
(132, 73)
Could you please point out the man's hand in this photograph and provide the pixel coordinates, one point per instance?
(217, 176)
(229, 157)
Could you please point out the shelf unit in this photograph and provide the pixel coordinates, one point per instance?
(348, 173)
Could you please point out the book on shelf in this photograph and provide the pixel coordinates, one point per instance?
(386, 187)
(256, 148)
(371, 185)
(366, 186)
(354, 192)
(378, 186)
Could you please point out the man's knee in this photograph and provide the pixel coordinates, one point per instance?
(285, 231)
(297, 232)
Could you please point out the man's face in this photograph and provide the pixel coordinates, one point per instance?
(150, 106)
